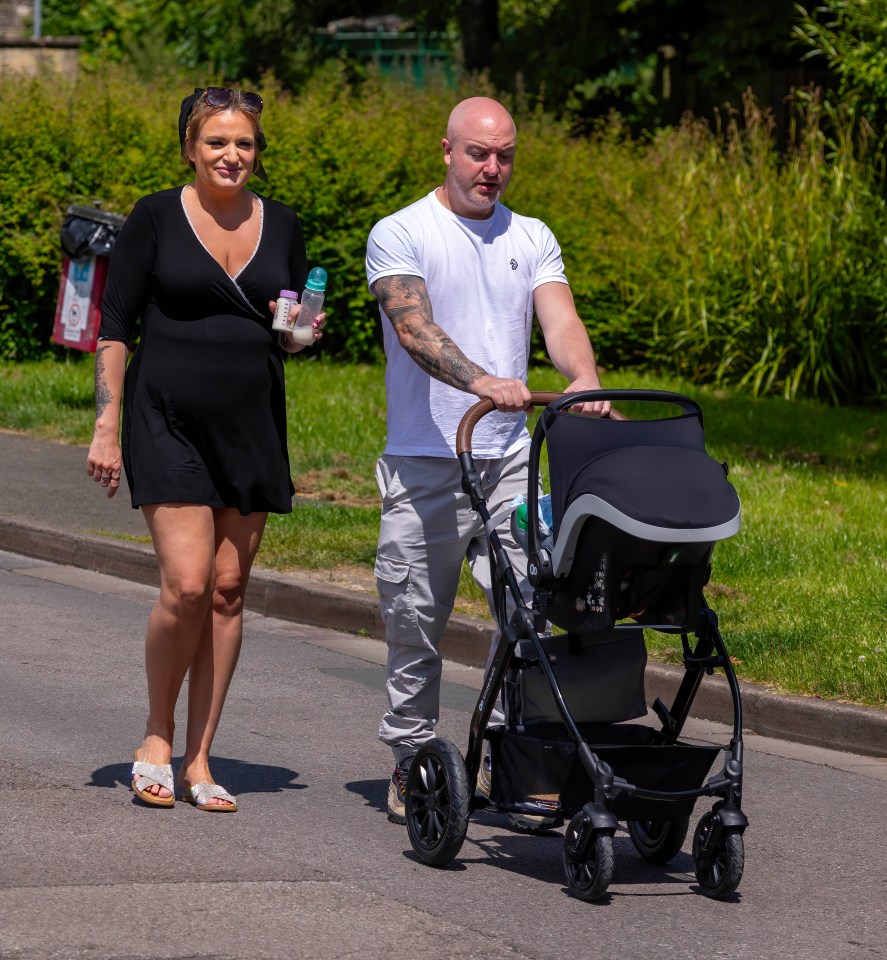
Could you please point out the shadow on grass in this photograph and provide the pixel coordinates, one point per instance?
(796, 434)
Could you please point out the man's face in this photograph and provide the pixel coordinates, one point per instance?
(480, 161)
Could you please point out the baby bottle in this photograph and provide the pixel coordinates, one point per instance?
(311, 305)
(283, 315)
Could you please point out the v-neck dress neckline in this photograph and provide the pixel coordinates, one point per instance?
(252, 256)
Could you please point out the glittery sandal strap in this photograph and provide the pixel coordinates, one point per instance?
(202, 793)
(145, 775)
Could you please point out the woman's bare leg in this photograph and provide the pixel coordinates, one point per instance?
(237, 539)
(184, 544)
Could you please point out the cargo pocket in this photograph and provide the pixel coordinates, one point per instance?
(386, 477)
(396, 602)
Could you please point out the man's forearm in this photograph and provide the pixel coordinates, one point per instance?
(565, 335)
(573, 356)
(407, 305)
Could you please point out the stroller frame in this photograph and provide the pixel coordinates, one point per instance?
(441, 786)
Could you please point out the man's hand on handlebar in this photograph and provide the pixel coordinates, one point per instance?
(508, 395)
(596, 408)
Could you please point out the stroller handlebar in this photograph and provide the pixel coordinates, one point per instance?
(476, 413)
(541, 398)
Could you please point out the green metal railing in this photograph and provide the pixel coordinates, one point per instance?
(402, 54)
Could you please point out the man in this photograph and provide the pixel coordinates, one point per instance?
(458, 277)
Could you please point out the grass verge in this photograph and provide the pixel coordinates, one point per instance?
(801, 591)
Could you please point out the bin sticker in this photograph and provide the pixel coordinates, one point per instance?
(78, 307)
(76, 298)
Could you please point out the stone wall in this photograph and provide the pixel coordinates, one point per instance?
(59, 54)
(26, 54)
(13, 14)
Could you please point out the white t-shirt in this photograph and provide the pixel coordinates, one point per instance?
(480, 276)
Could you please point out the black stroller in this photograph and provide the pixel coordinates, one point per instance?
(637, 505)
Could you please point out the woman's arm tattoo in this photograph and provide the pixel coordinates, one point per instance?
(102, 391)
(407, 305)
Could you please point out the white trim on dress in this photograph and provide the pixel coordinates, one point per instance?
(252, 256)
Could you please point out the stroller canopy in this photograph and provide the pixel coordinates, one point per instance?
(650, 478)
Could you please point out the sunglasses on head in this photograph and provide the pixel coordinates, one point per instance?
(222, 97)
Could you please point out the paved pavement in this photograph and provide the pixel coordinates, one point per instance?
(309, 867)
(50, 509)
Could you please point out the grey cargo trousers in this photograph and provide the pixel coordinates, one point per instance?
(427, 529)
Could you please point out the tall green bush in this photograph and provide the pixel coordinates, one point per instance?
(771, 269)
(710, 253)
(107, 139)
(702, 251)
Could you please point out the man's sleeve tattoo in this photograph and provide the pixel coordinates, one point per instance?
(407, 305)
(102, 391)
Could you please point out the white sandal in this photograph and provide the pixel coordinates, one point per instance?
(201, 793)
(145, 775)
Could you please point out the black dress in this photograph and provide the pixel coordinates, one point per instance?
(204, 411)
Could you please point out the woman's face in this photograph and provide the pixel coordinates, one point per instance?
(224, 151)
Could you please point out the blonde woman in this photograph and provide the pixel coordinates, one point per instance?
(204, 425)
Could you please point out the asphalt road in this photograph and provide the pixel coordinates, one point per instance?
(310, 867)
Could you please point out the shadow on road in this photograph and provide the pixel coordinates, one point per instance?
(374, 792)
(540, 857)
(238, 776)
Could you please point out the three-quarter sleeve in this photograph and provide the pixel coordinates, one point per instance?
(127, 288)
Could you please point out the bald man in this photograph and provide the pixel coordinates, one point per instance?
(458, 277)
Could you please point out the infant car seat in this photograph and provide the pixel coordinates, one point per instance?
(637, 507)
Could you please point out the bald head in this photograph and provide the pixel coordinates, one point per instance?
(479, 154)
(479, 115)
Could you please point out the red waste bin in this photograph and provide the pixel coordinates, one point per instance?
(87, 236)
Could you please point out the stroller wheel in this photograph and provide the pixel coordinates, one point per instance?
(438, 802)
(658, 840)
(719, 870)
(588, 876)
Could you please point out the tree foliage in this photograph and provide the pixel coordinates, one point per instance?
(648, 60)
(851, 36)
(225, 39)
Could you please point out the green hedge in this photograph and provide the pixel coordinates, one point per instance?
(697, 251)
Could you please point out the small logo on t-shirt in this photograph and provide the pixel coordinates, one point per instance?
(513, 263)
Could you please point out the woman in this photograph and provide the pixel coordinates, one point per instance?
(204, 424)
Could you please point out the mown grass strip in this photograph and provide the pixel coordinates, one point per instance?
(801, 591)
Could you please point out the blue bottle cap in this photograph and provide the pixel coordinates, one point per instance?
(316, 279)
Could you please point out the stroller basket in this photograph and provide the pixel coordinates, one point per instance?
(539, 768)
(601, 676)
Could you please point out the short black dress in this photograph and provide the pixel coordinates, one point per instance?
(204, 410)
